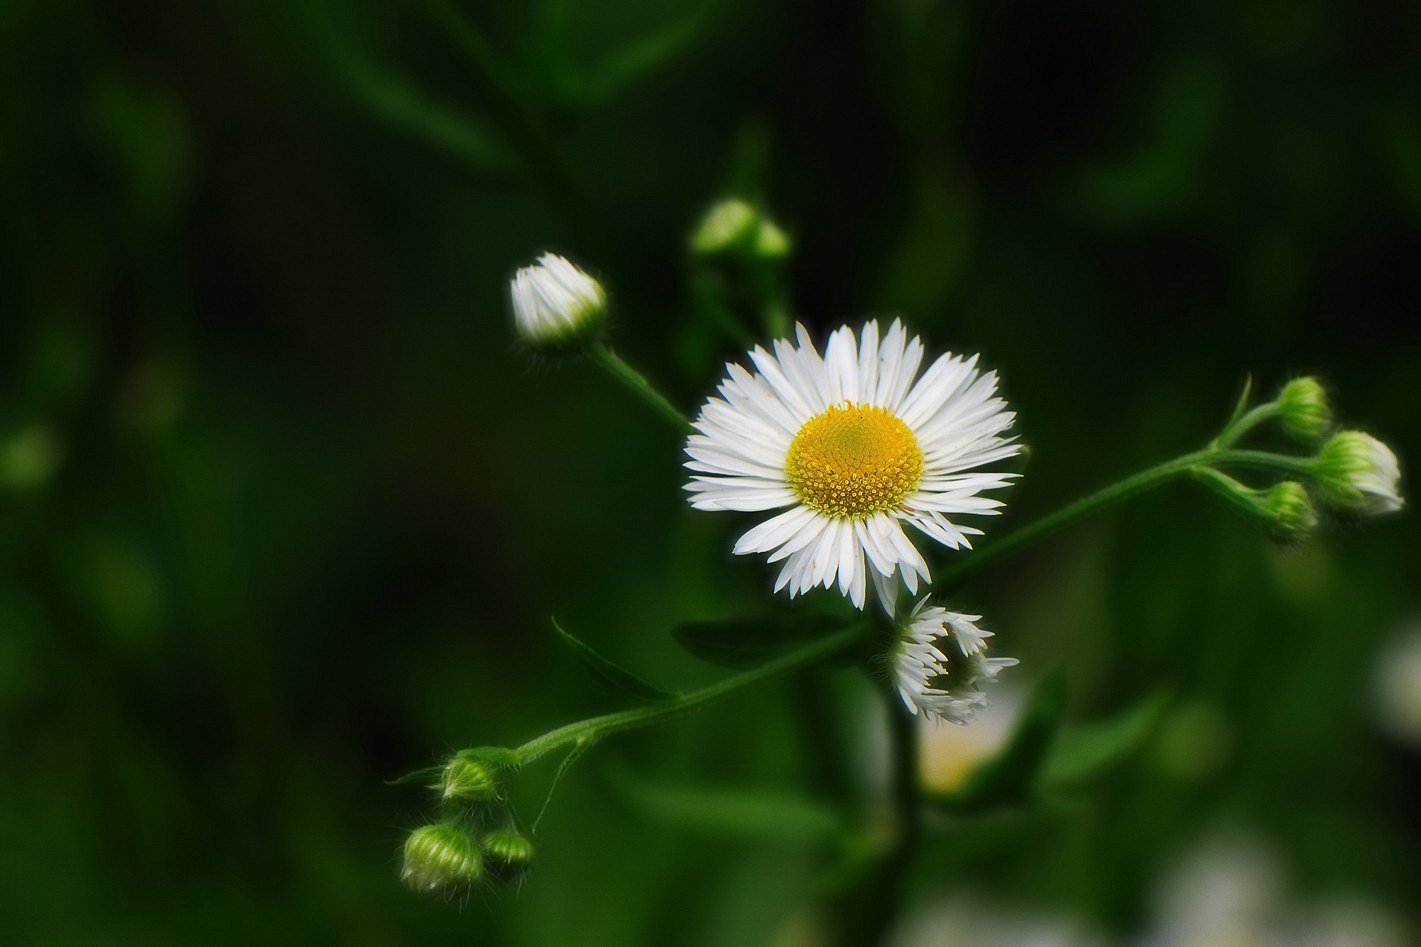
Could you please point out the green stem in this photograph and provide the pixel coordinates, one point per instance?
(1073, 513)
(869, 913)
(634, 381)
(1237, 429)
(1263, 460)
(1118, 492)
(592, 729)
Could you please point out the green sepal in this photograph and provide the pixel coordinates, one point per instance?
(612, 675)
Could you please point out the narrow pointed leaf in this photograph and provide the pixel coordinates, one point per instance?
(612, 675)
(747, 642)
(1086, 752)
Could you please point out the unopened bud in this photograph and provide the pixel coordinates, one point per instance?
(1303, 409)
(508, 852)
(473, 776)
(737, 226)
(441, 858)
(556, 306)
(1290, 509)
(1355, 471)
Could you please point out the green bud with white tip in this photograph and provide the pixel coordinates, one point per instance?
(1303, 409)
(442, 858)
(1358, 473)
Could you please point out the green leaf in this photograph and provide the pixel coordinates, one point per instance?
(1241, 406)
(738, 812)
(644, 57)
(612, 675)
(1011, 777)
(747, 642)
(1086, 752)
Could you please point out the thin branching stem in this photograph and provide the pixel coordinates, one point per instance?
(1112, 495)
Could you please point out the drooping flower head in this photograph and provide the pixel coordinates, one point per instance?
(939, 661)
(852, 446)
(556, 305)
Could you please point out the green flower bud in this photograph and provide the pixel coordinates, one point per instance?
(441, 858)
(771, 243)
(737, 226)
(1303, 409)
(474, 776)
(509, 852)
(556, 306)
(1357, 472)
(729, 224)
(1290, 509)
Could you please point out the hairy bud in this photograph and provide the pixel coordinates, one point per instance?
(441, 858)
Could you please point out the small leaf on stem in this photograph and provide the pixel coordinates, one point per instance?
(612, 675)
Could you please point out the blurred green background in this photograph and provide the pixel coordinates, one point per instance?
(284, 513)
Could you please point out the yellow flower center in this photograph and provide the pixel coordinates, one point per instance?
(853, 460)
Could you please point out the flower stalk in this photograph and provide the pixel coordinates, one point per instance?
(634, 381)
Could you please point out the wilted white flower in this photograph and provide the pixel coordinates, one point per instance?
(852, 446)
(1357, 471)
(940, 659)
(555, 304)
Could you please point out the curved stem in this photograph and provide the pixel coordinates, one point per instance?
(1237, 429)
(1068, 515)
(594, 728)
(635, 382)
(1186, 465)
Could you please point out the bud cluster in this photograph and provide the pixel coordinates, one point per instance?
(1351, 472)
(737, 227)
(476, 841)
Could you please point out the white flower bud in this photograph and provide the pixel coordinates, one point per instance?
(557, 306)
(1355, 471)
(1303, 409)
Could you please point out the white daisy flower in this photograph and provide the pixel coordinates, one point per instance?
(852, 446)
(555, 304)
(940, 658)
